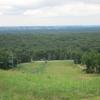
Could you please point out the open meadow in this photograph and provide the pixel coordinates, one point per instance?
(52, 80)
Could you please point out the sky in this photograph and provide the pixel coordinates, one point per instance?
(49, 12)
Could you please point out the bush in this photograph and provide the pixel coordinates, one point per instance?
(92, 61)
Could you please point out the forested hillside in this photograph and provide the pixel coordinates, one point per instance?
(24, 47)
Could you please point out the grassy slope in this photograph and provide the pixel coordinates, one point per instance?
(55, 80)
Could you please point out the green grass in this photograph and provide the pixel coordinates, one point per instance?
(55, 80)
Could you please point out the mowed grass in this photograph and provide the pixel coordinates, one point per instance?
(54, 80)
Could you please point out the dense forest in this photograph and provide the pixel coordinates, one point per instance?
(26, 46)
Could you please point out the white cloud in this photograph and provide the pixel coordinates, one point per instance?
(21, 20)
(15, 6)
(78, 9)
(29, 10)
(49, 7)
(0, 13)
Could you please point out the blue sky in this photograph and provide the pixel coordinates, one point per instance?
(49, 12)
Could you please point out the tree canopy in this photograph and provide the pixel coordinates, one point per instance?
(26, 46)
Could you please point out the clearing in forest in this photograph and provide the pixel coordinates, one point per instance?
(54, 80)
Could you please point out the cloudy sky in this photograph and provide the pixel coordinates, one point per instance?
(49, 12)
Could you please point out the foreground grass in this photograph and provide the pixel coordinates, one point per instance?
(55, 80)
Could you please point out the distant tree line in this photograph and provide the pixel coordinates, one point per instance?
(25, 47)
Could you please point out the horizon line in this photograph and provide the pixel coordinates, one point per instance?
(49, 25)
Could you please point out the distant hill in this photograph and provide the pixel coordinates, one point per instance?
(45, 29)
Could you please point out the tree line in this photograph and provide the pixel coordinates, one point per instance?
(24, 47)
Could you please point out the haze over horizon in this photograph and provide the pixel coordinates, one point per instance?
(49, 12)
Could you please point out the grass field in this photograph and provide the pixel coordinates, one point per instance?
(54, 80)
